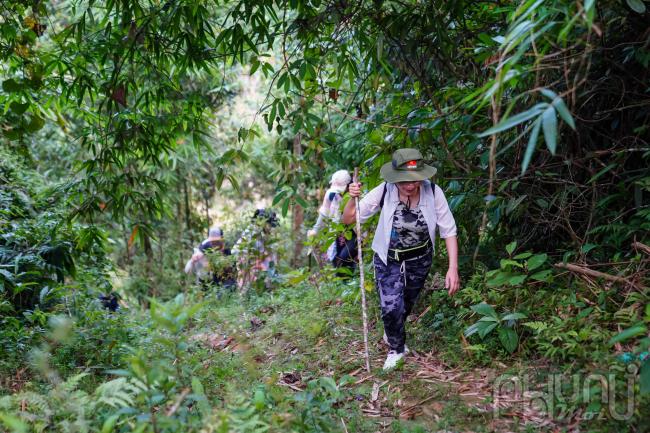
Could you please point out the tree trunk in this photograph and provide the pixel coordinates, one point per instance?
(207, 214)
(188, 223)
(179, 227)
(298, 212)
(127, 245)
(148, 251)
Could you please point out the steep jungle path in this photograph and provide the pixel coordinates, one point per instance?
(286, 338)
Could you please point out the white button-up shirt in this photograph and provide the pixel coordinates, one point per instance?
(436, 213)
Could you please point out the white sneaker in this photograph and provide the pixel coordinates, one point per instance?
(406, 348)
(392, 360)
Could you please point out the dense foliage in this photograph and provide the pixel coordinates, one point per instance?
(122, 131)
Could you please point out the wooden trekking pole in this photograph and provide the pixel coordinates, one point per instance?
(362, 282)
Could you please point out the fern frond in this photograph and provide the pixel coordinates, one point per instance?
(117, 393)
(71, 384)
(536, 326)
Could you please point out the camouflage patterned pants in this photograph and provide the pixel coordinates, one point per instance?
(399, 284)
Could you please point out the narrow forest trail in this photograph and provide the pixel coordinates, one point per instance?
(289, 337)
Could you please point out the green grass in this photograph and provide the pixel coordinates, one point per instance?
(310, 335)
(295, 362)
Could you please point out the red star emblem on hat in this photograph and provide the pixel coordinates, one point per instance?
(412, 164)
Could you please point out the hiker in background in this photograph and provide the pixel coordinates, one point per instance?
(411, 207)
(253, 250)
(214, 242)
(342, 252)
(199, 264)
(110, 301)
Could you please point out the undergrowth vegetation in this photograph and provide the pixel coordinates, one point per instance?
(130, 127)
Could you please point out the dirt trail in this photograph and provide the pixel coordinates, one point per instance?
(426, 391)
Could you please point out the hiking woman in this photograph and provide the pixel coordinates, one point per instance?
(411, 207)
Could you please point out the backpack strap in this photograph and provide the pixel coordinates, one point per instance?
(383, 195)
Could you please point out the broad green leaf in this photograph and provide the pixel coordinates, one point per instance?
(515, 280)
(536, 261)
(542, 275)
(584, 313)
(470, 330)
(17, 108)
(523, 256)
(486, 329)
(508, 262)
(628, 333)
(259, 399)
(514, 316)
(301, 201)
(285, 207)
(484, 309)
(549, 125)
(499, 278)
(587, 247)
(510, 248)
(35, 124)
(11, 85)
(279, 196)
(509, 339)
(255, 64)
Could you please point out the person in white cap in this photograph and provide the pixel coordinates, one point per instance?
(199, 263)
(342, 251)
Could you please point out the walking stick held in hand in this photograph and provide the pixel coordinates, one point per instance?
(361, 274)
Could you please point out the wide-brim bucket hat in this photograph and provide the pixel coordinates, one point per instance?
(407, 165)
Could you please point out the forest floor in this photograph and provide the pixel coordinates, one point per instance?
(288, 337)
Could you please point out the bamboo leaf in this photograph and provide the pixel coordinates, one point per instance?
(530, 148)
(564, 113)
(637, 6)
(285, 206)
(602, 172)
(515, 120)
(628, 333)
(549, 125)
(560, 106)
